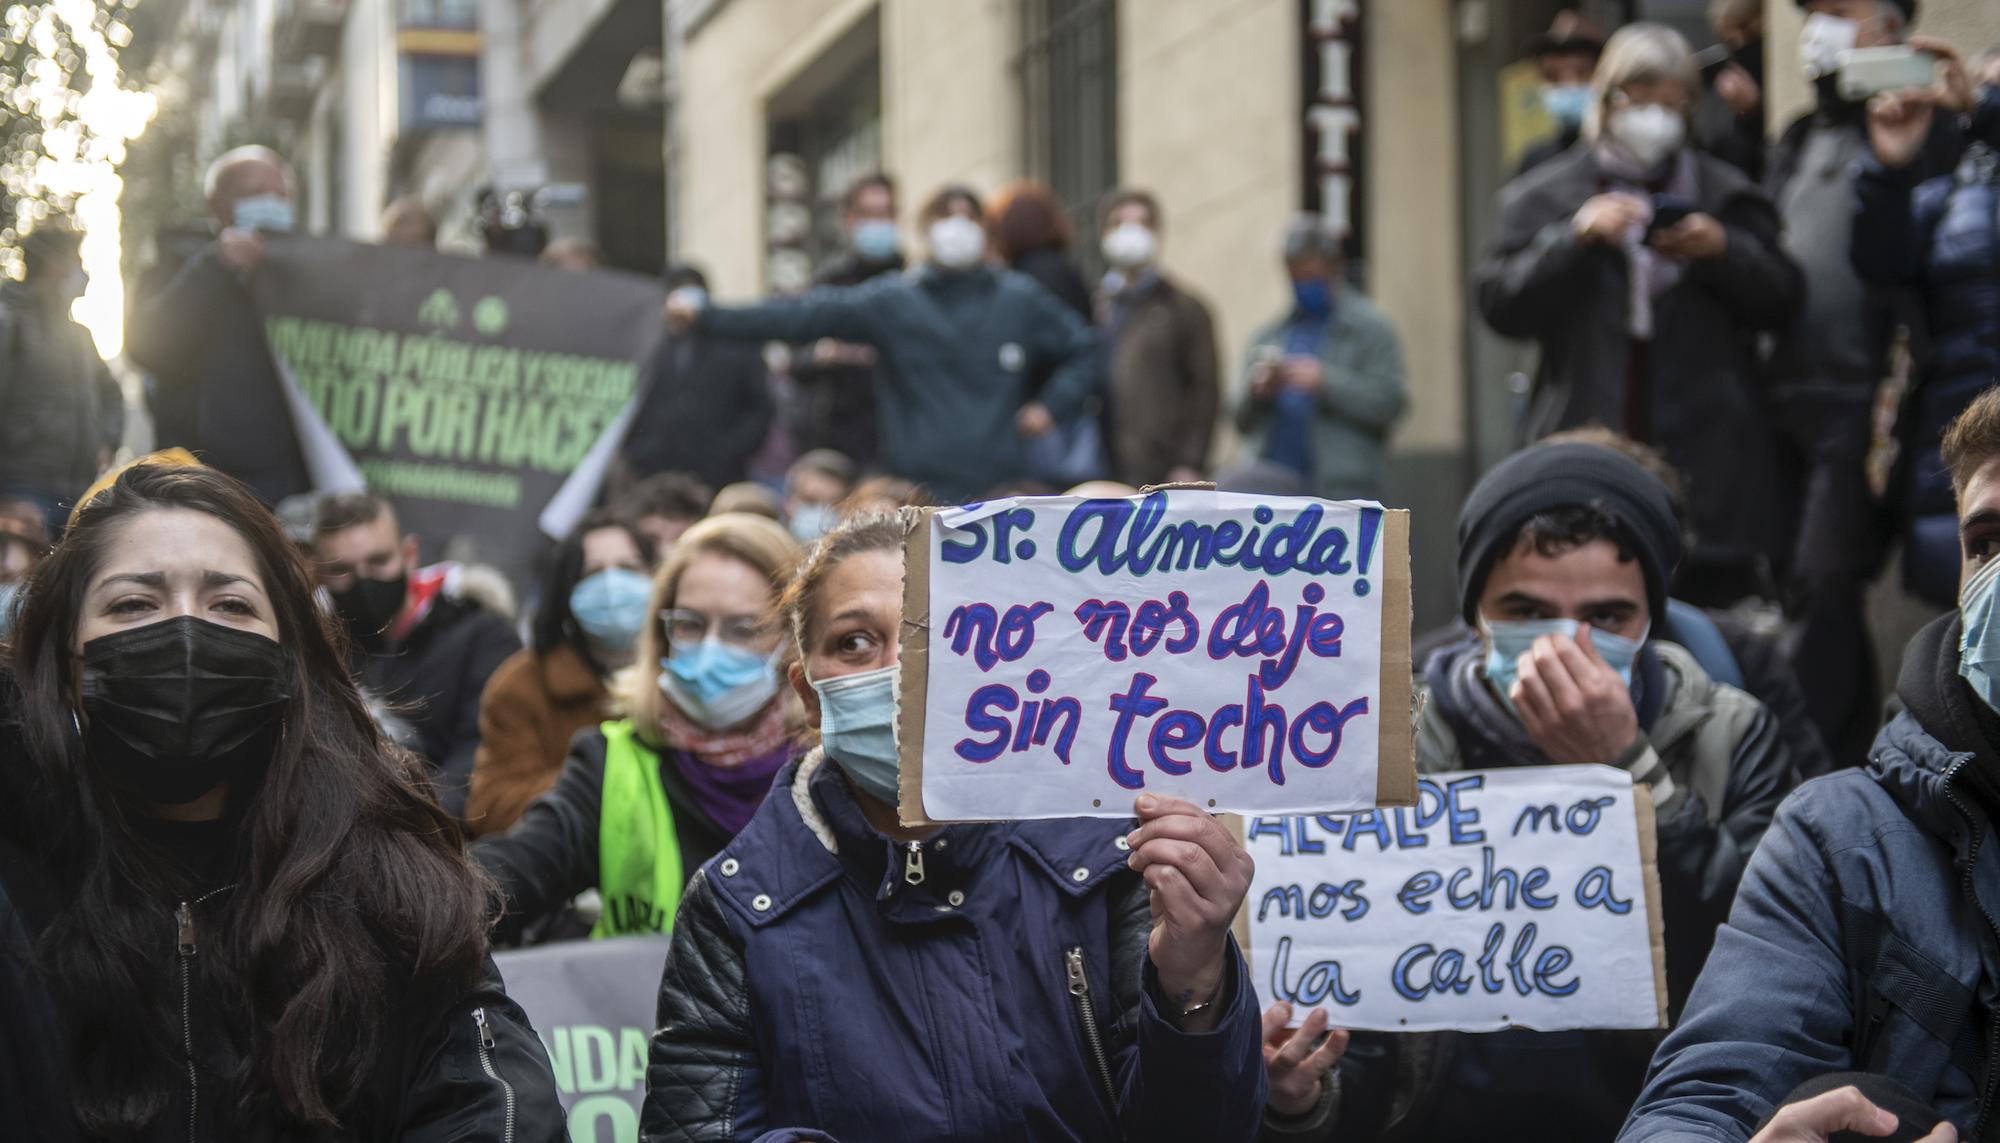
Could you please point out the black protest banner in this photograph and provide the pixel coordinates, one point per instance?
(465, 389)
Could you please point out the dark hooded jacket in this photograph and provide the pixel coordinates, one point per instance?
(1697, 391)
(1717, 767)
(1865, 935)
(1938, 238)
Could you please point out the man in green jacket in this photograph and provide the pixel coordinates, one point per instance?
(1323, 384)
(957, 338)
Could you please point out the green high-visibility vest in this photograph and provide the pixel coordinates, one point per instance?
(638, 855)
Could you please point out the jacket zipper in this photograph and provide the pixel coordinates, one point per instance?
(913, 862)
(184, 944)
(486, 1062)
(1079, 987)
(1991, 1080)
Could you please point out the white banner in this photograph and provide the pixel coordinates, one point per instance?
(1250, 654)
(1505, 898)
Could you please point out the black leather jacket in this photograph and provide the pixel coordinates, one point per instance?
(470, 1070)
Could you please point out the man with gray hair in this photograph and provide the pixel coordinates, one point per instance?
(1322, 383)
(217, 390)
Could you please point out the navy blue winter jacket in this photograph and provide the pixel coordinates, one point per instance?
(821, 976)
(1940, 239)
(1864, 935)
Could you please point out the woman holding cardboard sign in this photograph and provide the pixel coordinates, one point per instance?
(832, 969)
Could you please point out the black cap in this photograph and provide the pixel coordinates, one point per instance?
(1544, 478)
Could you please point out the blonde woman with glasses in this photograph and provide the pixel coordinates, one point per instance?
(646, 798)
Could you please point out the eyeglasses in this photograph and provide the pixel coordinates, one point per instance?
(689, 628)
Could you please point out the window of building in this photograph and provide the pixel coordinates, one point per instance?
(824, 131)
(440, 13)
(1069, 89)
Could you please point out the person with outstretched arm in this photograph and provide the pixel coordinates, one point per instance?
(958, 337)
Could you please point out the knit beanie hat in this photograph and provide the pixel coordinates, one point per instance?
(1544, 478)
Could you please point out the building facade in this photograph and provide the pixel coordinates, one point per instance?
(1398, 118)
(376, 100)
(723, 131)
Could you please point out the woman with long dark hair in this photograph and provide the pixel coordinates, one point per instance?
(251, 916)
(586, 628)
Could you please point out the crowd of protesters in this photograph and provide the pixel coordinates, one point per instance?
(273, 788)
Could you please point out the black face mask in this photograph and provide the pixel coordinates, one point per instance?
(178, 707)
(371, 605)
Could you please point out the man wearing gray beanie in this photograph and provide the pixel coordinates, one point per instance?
(1565, 555)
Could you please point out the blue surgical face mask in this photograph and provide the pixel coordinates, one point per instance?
(877, 240)
(1509, 639)
(1979, 634)
(611, 606)
(857, 726)
(717, 684)
(1567, 103)
(811, 521)
(1313, 297)
(266, 212)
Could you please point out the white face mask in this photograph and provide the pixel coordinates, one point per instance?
(1822, 40)
(1648, 131)
(957, 243)
(1130, 245)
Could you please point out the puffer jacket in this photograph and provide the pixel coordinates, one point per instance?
(957, 351)
(1941, 239)
(1864, 937)
(989, 983)
(1717, 767)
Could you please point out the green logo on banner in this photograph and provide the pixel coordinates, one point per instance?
(440, 310)
(489, 317)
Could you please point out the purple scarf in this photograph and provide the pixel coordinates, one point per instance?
(731, 796)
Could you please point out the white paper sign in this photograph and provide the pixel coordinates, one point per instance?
(1222, 648)
(1502, 898)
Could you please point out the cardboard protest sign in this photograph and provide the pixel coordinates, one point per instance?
(1505, 898)
(594, 1005)
(467, 390)
(1061, 655)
